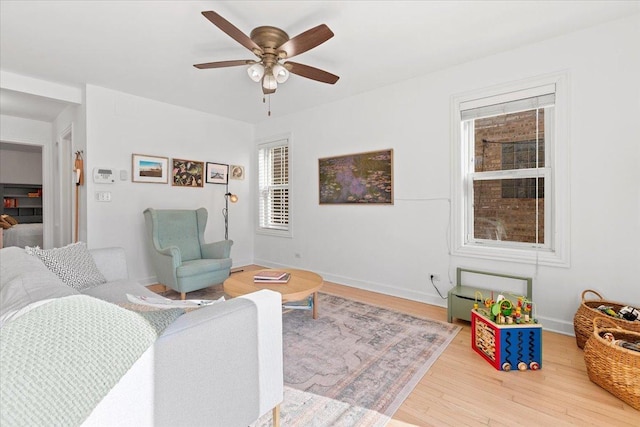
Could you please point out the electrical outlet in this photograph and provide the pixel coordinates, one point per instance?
(435, 277)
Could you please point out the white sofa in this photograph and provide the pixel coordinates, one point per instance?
(219, 365)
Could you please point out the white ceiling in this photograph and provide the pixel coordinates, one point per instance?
(148, 48)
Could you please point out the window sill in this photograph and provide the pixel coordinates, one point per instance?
(525, 256)
(274, 232)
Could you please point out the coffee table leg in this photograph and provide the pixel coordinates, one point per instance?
(315, 305)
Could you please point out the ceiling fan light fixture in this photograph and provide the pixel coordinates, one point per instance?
(256, 72)
(280, 73)
(269, 82)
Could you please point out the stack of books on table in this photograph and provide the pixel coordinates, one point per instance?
(271, 276)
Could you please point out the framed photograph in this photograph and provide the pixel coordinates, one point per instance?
(188, 173)
(153, 169)
(365, 178)
(237, 172)
(217, 173)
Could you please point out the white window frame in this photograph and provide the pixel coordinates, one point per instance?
(263, 224)
(555, 250)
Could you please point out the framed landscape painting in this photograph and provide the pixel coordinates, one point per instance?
(364, 178)
(151, 169)
(188, 173)
(217, 173)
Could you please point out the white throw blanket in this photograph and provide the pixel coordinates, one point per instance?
(60, 359)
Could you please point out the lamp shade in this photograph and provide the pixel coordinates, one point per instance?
(280, 73)
(256, 71)
(269, 82)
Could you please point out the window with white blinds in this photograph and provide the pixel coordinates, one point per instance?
(273, 187)
(510, 178)
(508, 170)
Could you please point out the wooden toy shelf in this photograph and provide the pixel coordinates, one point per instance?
(22, 201)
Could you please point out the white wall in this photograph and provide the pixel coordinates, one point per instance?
(20, 167)
(24, 131)
(119, 125)
(393, 249)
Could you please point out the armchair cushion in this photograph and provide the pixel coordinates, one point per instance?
(202, 266)
(215, 250)
(180, 229)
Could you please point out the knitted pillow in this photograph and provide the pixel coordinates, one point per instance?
(73, 264)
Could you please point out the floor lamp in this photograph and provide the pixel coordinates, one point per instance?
(225, 212)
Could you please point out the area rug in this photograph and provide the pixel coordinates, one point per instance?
(355, 364)
(352, 366)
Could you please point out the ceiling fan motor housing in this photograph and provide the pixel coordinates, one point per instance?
(269, 39)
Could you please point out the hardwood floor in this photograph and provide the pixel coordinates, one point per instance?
(462, 389)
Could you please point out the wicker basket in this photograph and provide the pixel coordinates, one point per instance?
(614, 368)
(583, 320)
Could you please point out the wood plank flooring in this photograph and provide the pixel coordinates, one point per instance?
(462, 389)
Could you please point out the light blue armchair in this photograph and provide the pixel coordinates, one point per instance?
(181, 258)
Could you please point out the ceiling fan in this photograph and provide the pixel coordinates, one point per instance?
(272, 46)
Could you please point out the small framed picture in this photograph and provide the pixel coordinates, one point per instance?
(152, 169)
(188, 173)
(217, 173)
(237, 172)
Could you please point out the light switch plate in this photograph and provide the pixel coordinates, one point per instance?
(103, 196)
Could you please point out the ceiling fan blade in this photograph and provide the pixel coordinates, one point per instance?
(222, 64)
(311, 72)
(232, 31)
(305, 41)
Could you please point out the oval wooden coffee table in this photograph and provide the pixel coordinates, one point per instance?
(301, 284)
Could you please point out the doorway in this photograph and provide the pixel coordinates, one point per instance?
(21, 179)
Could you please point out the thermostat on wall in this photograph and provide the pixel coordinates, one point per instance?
(103, 176)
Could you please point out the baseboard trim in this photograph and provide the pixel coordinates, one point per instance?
(549, 324)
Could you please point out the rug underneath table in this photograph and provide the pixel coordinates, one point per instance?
(355, 364)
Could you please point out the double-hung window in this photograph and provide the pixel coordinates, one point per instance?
(510, 171)
(273, 187)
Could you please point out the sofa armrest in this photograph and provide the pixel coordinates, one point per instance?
(112, 263)
(216, 250)
(271, 370)
(221, 365)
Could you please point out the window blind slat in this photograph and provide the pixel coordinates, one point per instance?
(509, 107)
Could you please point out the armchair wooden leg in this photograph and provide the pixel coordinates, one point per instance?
(276, 416)
(183, 295)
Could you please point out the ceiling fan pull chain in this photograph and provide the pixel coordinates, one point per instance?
(269, 114)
